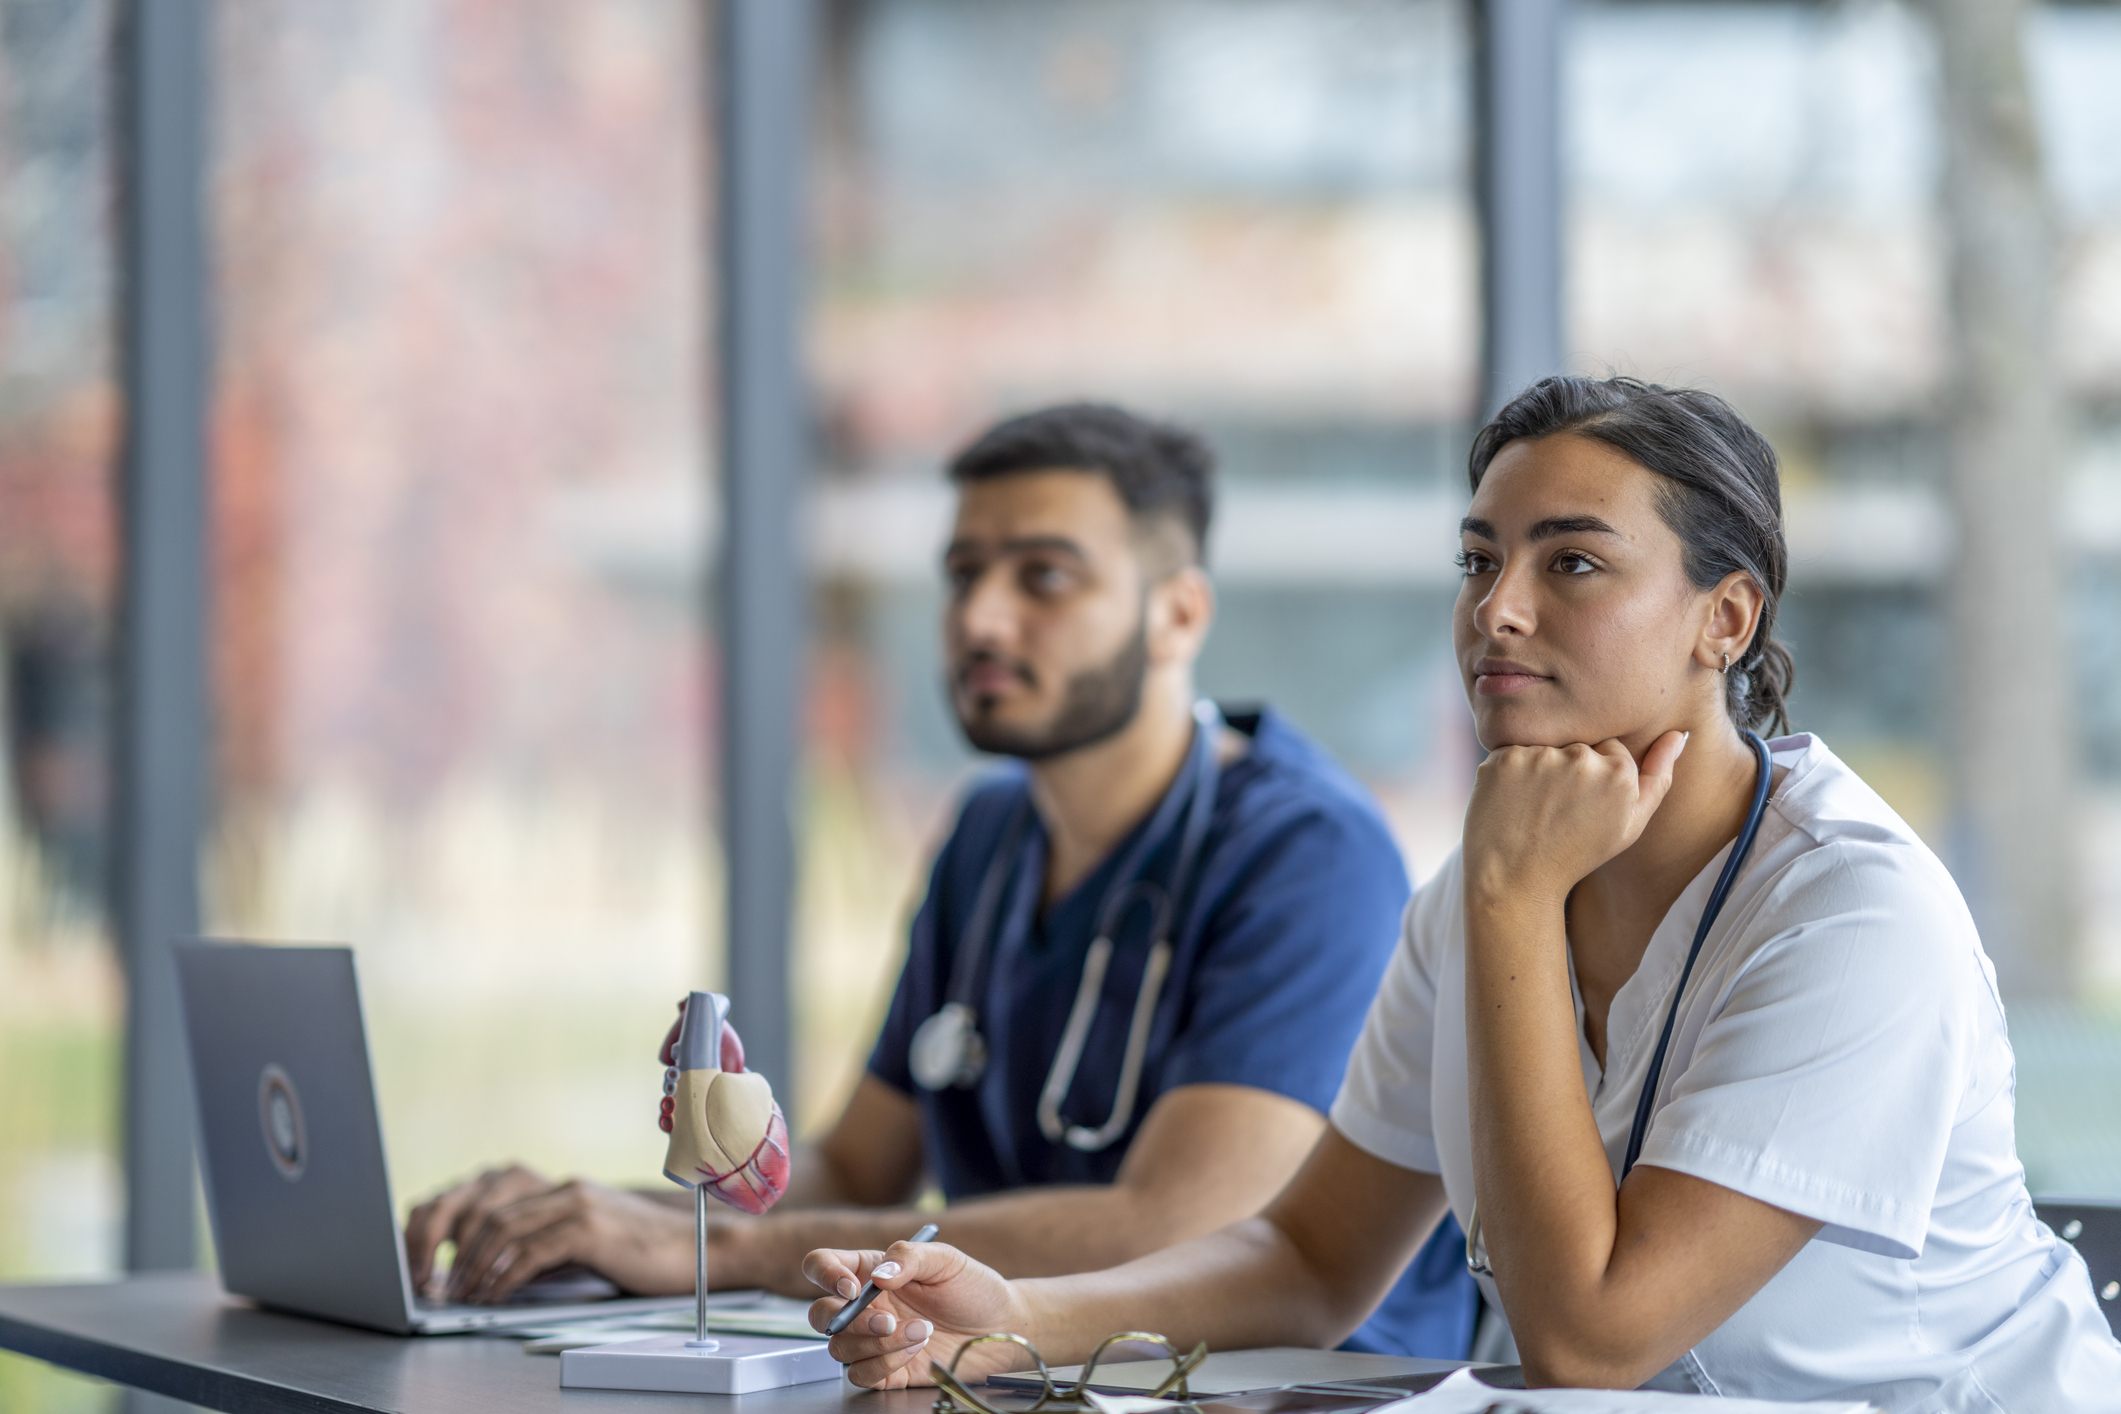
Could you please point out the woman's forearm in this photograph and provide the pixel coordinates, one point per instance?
(1545, 1186)
(1304, 1272)
(1243, 1286)
(1307, 1271)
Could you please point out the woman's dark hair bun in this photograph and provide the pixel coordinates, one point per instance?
(1723, 499)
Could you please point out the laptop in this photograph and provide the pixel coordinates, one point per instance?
(292, 1153)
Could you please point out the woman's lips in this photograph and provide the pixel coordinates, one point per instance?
(1502, 679)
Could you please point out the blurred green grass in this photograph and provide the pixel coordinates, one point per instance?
(58, 1115)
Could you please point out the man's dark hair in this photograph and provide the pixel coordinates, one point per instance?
(1160, 471)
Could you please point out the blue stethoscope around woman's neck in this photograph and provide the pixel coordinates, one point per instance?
(948, 1050)
(1476, 1250)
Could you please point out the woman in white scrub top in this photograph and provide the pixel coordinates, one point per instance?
(1828, 1200)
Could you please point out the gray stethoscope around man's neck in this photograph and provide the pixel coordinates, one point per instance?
(1477, 1250)
(948, 1050)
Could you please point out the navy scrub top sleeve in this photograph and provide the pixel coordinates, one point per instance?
(890, 1060)
(1295, 951)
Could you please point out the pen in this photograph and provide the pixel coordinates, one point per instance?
(846, 1314)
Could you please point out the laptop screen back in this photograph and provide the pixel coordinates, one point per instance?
(291, 1146)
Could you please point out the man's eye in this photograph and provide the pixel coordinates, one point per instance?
(960, 577)
(1472, 562)
(1045, 579)
(1574, 562)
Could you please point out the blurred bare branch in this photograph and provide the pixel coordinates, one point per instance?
(2010, 682)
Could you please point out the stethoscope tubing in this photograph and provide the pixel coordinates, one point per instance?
(1753, 816)
(1060, 1077)
(1645, 1102)
(1127, 890)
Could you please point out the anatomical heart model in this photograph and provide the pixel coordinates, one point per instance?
(727, 1138)
(726, 1133)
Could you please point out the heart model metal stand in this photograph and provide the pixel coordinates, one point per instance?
(728, 1139)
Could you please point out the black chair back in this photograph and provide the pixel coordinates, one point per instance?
(2094, 1229)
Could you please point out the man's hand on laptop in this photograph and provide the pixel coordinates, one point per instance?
(511, 1224)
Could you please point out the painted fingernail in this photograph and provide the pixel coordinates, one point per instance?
(883, 1323)
(918, 1331)
(847, 1288)
(885, 1271)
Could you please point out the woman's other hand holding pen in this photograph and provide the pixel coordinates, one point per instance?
(933, 1298)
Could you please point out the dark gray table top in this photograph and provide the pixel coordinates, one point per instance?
(179, 1335)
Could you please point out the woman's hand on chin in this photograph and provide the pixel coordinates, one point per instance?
(1543, 817)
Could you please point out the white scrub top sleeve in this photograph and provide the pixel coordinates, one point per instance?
(1830, 1073)
(1383, 1105)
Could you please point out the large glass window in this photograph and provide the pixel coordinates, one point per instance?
(60, 992)
(463, 489)
(460, 477)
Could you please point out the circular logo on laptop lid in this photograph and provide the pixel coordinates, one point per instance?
(280, 1117)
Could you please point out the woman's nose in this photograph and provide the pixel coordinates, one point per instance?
(1506, 610)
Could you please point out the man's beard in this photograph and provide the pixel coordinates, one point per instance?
(1098, 703)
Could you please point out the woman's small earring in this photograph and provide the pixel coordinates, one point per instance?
(1726, 668)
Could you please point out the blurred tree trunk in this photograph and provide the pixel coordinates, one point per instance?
(2011, 681)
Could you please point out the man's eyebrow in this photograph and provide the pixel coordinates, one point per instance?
(1024, 545)
(1543, 530)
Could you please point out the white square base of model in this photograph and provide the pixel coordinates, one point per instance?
(740, 1364)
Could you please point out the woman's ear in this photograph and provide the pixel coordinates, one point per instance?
(1734, 617)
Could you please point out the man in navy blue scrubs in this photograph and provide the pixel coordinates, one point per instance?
(1146, 949)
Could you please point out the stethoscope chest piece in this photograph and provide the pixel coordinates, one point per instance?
(948, 1050)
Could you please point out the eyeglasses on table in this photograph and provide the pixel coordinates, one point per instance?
(956, 1398)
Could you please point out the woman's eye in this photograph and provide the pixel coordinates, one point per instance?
(1574, 562)
(1472, 562)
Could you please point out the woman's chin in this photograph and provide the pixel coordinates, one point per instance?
(1498, 724)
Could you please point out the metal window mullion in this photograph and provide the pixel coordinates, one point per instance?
(161, 731)
(1517, 124)
(764, 55)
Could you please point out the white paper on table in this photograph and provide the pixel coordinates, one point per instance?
(770, 1315)
(1127, 1403)
(1460, 1393)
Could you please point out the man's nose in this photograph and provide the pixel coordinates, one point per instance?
(986, 610)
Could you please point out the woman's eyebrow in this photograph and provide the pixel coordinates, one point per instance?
(1541, 530)
(1569, 525)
